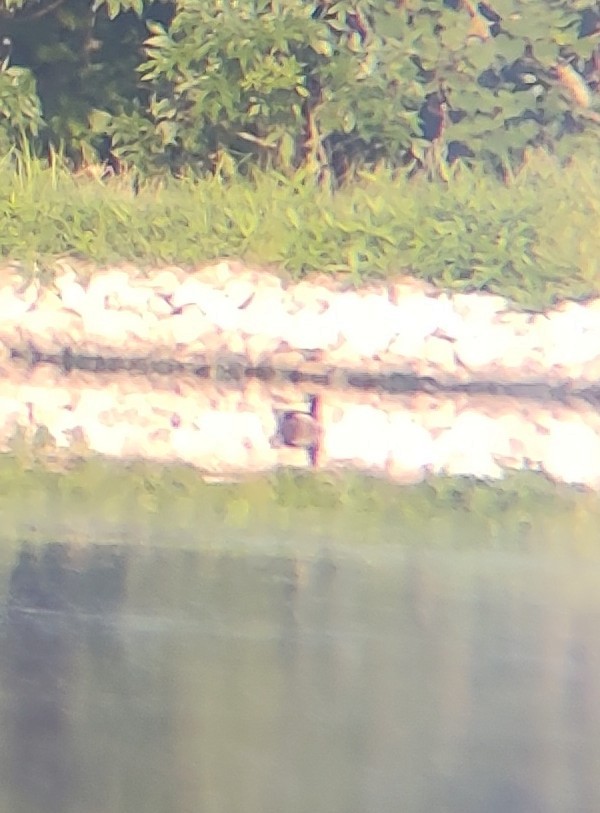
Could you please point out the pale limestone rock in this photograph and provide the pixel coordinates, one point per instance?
(435, 414)
(239, 291)
(521, 357)
(593, 306)
(572, 454)
(49, 301)
(65, 275)
(220, 310)
(265, 315)
(309, 330)
(519, 323)
(411, 446)
(257, 398)
(216, 274)
(189, 325)
(343, 355)
(13, 411)
(478, 349)
(564, 338)
(360, 434)
(31, 293)
(287, 359)
(365, 323)
(313, 297)
(131, 298)
(449, 325)
(410, 286)
(439, 352)
(259, 348)
(291, 457)
(60, 426)
(190, 292)
(49, 331)
(403, 476)
(106, 440)
(590, 373)
(104, 284)
(12, 305)
(482, 307)
(469, 446)
(234, 344)
(159, 306)
(150, 322)
(418, 316)
(165, 283)
(225, 440)
(405, 346)
(74, 297)
(112, 328)
(163, 337)
(90, 402)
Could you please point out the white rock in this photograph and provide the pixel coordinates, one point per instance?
(265, 314)
(164, 283)
(406, 346)
(12, 410)
(366, 323)
(478, 349)
(360, 434)
(439, 352)
(315, 297)
(411, 446)
(12, 306)
(239, 291)
(130, 298)
(217, 274)
(482, 307)
(259, 348)
(217, 307)
(106, 283)
(106, 440)
(74, 297)
(469, 447)
(309, 330)
(50, 331)
(419, 316)
(111, 327)
(159, 306)
(572, 454)
(189, 326)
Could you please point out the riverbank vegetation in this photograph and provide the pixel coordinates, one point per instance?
(454, 140)
(101, 500)
(532, 238)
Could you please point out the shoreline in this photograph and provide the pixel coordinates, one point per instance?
(230, 431)
(233, 316)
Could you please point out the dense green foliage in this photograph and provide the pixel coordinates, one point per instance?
(205, 84)
(533, 239)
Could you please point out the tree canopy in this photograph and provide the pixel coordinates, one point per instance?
(220, 85)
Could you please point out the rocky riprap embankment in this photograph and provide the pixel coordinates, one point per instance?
(227, 431)
(227, 312)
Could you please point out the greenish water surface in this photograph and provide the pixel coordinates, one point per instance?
(292, 645)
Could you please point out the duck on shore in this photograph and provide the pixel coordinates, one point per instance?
(300, 430)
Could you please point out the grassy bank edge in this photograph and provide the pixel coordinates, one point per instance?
(97, 498)
(531, 238)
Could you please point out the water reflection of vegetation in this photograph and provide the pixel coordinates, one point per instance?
(97, 498)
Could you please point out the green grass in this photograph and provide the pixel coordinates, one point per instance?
(98, 499)
(533, 239)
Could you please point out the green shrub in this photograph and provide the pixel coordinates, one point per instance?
(328, 85)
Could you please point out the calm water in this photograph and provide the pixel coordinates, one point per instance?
(136, 679)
